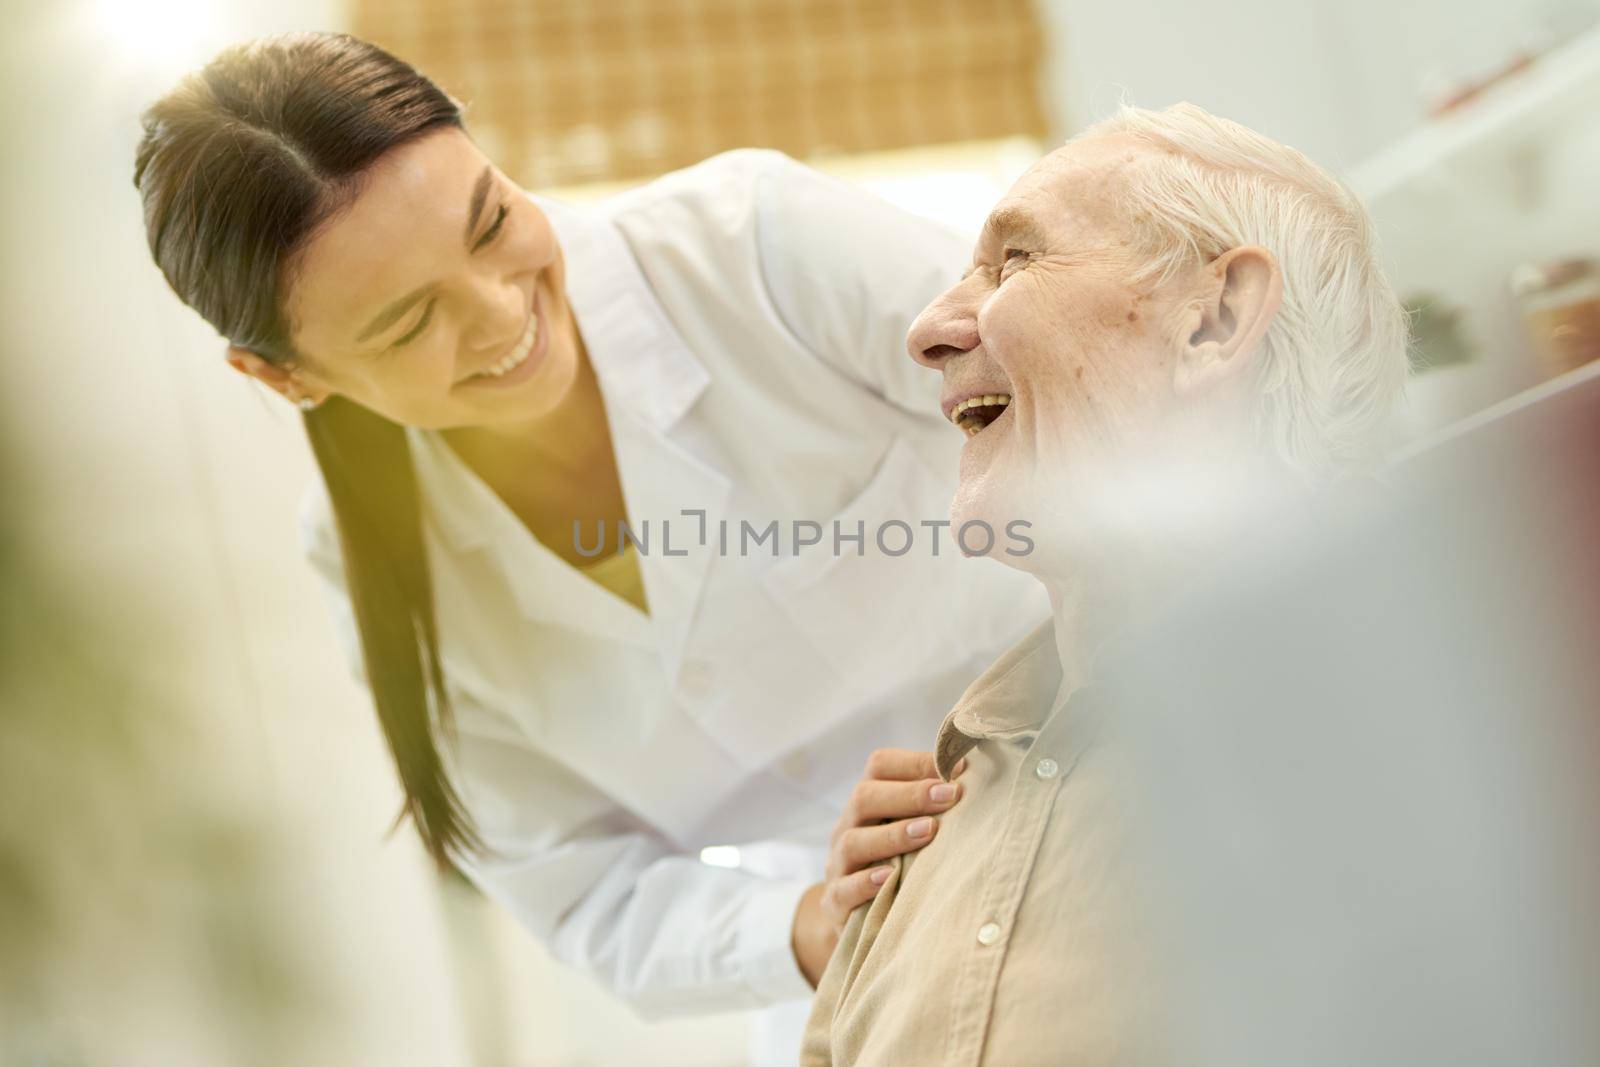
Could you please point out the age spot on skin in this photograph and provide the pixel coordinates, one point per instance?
(1078, 374)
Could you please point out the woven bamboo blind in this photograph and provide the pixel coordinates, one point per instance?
(565, 91)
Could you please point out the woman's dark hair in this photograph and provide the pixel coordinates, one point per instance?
(238, 166)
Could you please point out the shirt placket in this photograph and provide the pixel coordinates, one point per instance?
(1033, 791)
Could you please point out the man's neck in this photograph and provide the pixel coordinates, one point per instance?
(1089, 606)
(1128, 566)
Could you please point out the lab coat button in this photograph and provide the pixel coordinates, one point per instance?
(696, 677)
(1047, 769)
(988, 933)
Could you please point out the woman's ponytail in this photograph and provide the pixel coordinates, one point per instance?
(238, 166)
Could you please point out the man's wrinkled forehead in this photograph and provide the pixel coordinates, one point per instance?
(1079, 184)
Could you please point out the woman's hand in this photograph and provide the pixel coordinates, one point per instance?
(890, 812)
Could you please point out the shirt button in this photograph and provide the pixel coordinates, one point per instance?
(1046, 768)
(696, 678)
(988, 933)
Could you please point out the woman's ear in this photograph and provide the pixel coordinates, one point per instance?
(1239, 294)
(280, 380)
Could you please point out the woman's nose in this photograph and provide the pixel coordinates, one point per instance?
(947, 327)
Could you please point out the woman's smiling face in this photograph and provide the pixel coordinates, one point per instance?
(437, 297)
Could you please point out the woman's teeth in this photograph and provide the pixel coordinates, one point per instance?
(975, 413)
(517, 355)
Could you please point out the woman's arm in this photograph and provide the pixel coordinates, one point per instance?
(604, 892)
(611, 897)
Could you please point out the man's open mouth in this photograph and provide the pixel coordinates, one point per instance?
(974, 414)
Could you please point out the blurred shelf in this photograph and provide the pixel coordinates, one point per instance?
(1550, 387)
(1508, 117)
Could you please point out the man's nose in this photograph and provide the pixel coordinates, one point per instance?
(947, 327)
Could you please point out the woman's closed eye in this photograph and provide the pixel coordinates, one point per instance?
(494, 230)
(1013, 258)
(421, 325)
(488, 235)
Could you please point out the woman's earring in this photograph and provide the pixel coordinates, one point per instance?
(301, 401)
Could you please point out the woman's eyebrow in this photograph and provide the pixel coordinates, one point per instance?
(392, 314)
(480, 192)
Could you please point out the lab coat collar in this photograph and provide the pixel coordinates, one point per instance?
(642, 362)
(457, 502)
(469, 516)
(649, 379)
(644, 366)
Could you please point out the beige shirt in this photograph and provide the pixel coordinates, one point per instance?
(1008, 940)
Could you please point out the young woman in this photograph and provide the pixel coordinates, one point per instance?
(490, 382)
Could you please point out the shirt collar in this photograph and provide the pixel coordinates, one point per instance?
(1009, 701)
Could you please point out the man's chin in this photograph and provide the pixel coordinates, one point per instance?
(988, 520)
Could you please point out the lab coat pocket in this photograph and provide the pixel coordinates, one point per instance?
(884, 592)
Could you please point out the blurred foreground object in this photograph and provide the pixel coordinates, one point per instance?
(142, 908)
(1372, 754)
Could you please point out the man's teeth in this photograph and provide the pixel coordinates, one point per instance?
(517, 355)
(972, 422)
(989, 400)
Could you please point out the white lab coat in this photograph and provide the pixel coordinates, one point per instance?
(746, 318)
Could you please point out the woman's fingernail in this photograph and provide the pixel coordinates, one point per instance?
(943, 793)
(879, 875)
(919, 828)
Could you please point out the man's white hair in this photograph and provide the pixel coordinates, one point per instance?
(1335, 359)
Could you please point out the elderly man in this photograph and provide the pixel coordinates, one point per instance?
(1162, 318)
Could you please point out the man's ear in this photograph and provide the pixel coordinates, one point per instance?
(280, 380)
(1227, 321)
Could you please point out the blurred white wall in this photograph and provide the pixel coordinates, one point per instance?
(1338, 79)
